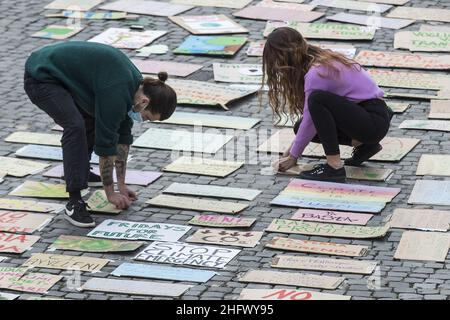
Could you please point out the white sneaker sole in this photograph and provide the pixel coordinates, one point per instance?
(78, 224)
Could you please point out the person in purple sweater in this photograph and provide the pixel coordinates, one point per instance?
(337, 100)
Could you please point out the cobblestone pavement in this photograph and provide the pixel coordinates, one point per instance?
(400, 279)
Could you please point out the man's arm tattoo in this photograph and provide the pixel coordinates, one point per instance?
(106, 172)
(121, 162)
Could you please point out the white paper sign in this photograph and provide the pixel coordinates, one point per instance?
(127, 39)
(212, 191)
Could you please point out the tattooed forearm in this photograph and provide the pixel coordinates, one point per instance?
(106, 173)
(121, 162)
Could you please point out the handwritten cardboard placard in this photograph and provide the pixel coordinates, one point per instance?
(424, 246)
(244, 73)
(129, 230)
(211, 120)
(57, 32)
(403, 60)
(16, 243)
(85, 244)
(323, 264)
(98, 202)
(335, 31)
(8, 296)
(203, 166)
(422, 41)
(352, 5)
(439, 109)
(327, 229)
(20, 168)
(187, 254)
(221, 221)
(188, 203)
(421, 219)
(29, 205)
(332, 216)
(398, 107)
(32, 282)
(288, 294)
(285, 5)
(216, 45)
(428, 28)
(256, 48)
(45, 152)
(90, 15)
(347, 50)
(162, 272)
(81, 5)
(434, 164)
(434, 125)
(277, 14)
(409, 80)
(123, 38)
(22, 222)
(246, 239)
(371, 21)
(49, 139)
(208, 24)
(146, 7)
(42, 190)
(172, 68)
(65, 262)
(430, 192)
(212, 191)
(234, 4)
(425, 14)
(291, 279)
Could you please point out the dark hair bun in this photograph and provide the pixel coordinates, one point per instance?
(162, 76)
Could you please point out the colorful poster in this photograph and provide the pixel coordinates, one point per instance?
(421, 219)
(129, 230)
(211, 45)
(208, 24)
(57, 32)
(352, 5)
(85, 244)
(90, 15)
(234, 4)
(410, 80)
(49, 139)
(65, 262)
(424, 14)
(16, 243)
(45, 152)
(288, 294)
(20, 168)
(98, 202)
(423, 246)
(422, 41)
(38, 283)
(207, 190)
(172, 68)
(30, 205)
(246, 239)
(203, 166)
(434, 165)
(146, 7)
(42, 190)
(221, 221)
(332, 216)
(127, 39)
(432, 125)
(439, 109)
(430, 192)
(23, 222)
(244, 73)
(375, 21)
(277, 14)
(81, 5)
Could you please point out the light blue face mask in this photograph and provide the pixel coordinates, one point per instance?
(135, 116)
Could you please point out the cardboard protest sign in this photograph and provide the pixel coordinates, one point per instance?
(38, 283)
(16, 243)
(322, 31)
(211, 120)
(49, 139)
(162, 272)
(409, 80)
(212, 191)
(431, 28)
(8, 296)
(308, 246)
(42, 190)
(20, 168)
(98, 202)
(291, 279)
(441, 95)
(45, 152)
(84, 244)
(129, 230)
(65, 262)
(256, 48)
(221, 221)
(439, 109)
(146, 7)
(57, 32)
(202, 93)
(127, 39)
(247, 239)
(422, 41)
(244, 73)
(331, 216)
(22, 222)
(371, 21)
(425, 14)
(323, 264)
(434, 165)
(208, 24)
(285, 5)
(288, 294)
(188, 203)
(211, 45)
(81, 5)
(398, 107)
(433, 125)
(277, 14)
(347, 50)
(182, 140)
(153, 49)
(424, 246)
(234, 4)
(430, 192)
(352, 5)
(203, 166)
(327, 229)
(421, 219)
(187, 254)
(403, 60)
(394, 2)
(29, 205)
(90, 15)
(172, 68)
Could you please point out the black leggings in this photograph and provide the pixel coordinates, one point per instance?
(339, 121)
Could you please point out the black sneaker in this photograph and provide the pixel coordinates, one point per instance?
(76, 213)
(325, 172)
(363, 153)
(94, 180)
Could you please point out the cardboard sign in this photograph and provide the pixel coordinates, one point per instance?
(193, 92)
(436, 125)
(212, 191)
(256, 48)
(211, 45)
(42, 190)
(129, 230)
(331, 216)
(188, 203)
(81, 5)
(211, 120)
(146, 288)
(172, 68)
(325, 30)
(234, 4)
(90, 15)
(84, 244)
(98, 202)
(283, 5)
(208, 24)
(247, 239)
(162, 272)
(439, 109)
(203, 166)
(441, 95)
(15, 243)
(427, 28)
(277, 14)
(323, 264)
(147, 7)
(32, 282)
(403, 60)
(423, 246)
(424, 14)
(394, 2)
(153, 49)
(45, 152)
(23, 222)
(8, 296)
(288, 294)
(422, 41)
(65, 262)
(409, 80)
(182, 140)
(352, 5)
(187, 254)
(371, 21)
(430, 192)
(29, 205)
(291, 279)
(398, 107)
(337, 249)
(221, 221)
(49, 139)
(244, 73)
(421, 219)
(20, 168)
(57, 32)
(327, 229)
(127, 39)
(434, 165)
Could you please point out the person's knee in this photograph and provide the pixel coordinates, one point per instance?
(316, 100)
(75, 126)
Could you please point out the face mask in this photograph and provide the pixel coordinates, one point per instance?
(135, 116)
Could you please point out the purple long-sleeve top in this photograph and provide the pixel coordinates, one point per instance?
(353, 83)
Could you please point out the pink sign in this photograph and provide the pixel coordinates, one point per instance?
(332, 216)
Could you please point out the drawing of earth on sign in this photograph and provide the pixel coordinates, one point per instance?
(251, 71)
(213, 45)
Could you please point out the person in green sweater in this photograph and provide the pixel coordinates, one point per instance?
(94, 92)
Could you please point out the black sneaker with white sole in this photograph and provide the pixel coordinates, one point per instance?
(363, 153)
(76, 213)
(324, 172)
